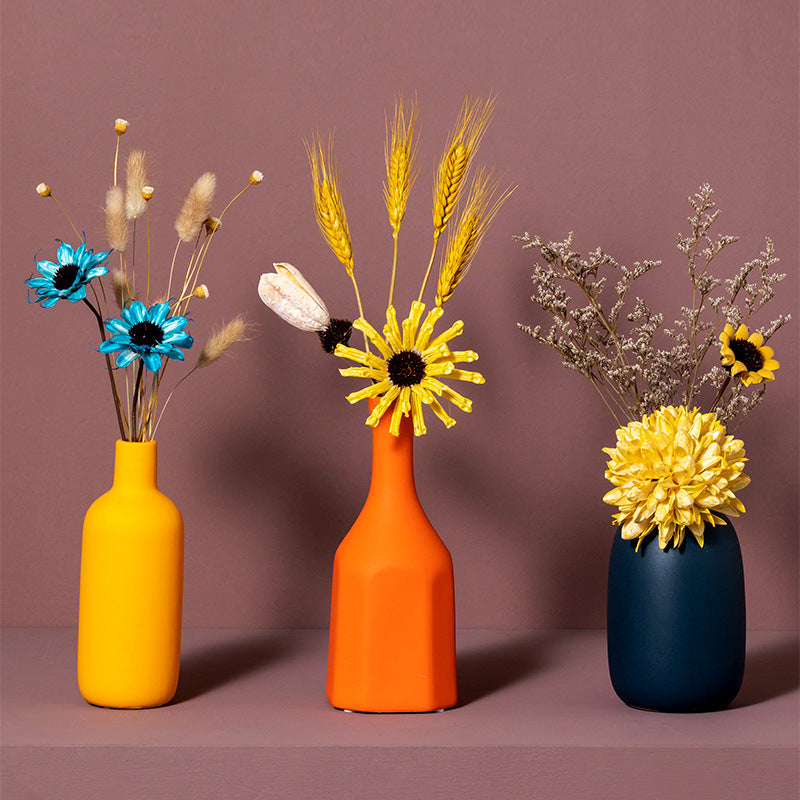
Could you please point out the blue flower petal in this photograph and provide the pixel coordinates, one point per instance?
(135, 312)
(47, 268)
(152, 361)
(158, 313)
(125, 357)
(118, 326)
(65, 253)
(174, 324)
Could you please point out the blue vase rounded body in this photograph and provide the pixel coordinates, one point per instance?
(676, 622)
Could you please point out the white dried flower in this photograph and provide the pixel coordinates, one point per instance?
(147, 192)
(43, 190)
(293, 299)
(256, 177)
(201, 291)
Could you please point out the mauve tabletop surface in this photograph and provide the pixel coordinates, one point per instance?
(266, 688)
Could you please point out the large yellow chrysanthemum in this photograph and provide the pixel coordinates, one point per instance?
(408, 366)
(675, 469)
(746, 355)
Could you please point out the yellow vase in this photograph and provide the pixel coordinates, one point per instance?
(129, 626)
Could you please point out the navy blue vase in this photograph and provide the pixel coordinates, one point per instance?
(676, 622)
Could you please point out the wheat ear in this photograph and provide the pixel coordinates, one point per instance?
(329, 212)
(462, 144)
(464, 241)
(399, 152)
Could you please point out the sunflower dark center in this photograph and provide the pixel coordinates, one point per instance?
(748, 354)
(337, 332)
(146, 334)
(65, 276)
(406, 368)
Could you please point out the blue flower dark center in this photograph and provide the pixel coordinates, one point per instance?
(146, 334)
(65, 276)
(748, 354)
(406, 368)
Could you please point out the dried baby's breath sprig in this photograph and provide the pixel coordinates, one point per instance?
(121, 285)
(399, 152)
(463, 242)
(136, 180)
(451, 176)
(117, 228)
(222, 339)
(641, 366)
(196, 206)
(43, 190)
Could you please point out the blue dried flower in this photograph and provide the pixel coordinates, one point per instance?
(67, 279)
(146, 334)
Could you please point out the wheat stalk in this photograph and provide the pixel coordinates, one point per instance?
(328, 206)
(462, 144)
(463, 243)
(399, 152)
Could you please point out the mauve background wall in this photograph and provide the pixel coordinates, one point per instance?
(609, 115)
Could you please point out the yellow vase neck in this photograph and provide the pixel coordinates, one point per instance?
(135, 464)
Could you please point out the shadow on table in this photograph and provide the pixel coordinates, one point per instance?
(490, 668)
(218, 664)
(770, 672)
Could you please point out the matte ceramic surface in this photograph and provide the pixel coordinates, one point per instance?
(129, 629)
(392, 635)
(676, 622)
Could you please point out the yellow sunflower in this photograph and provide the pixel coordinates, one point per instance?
(675, 470)
(408, 366)
(746, 356)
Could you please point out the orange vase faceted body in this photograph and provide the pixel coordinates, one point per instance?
(392, 635)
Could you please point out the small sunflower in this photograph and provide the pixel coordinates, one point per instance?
(67, 279)
(674, 470)
(745, 355)
(148, 334)
(408, 366)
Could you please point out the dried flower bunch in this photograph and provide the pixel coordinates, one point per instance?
(144, 337)
(673, 467)
(406, 372)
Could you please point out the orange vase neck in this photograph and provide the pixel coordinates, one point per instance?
(135, 464)
(392, 460)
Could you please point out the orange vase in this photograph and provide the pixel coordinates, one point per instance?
(392, 635)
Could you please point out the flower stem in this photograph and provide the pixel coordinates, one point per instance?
(136, 391)
(394, 267)
(436, 235)
(114, 392)
(720, 393)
